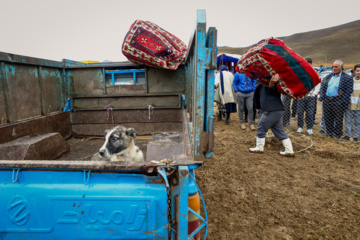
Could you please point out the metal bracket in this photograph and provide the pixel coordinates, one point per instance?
(15, 174)
(151, 110)
(162, 172)
(210, 130)
(211, 59)
(183, 102)
(86, 176)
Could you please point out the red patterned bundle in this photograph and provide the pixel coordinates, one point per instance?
(148, 44)
(271, 56)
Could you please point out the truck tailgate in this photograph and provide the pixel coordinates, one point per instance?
(56, 204)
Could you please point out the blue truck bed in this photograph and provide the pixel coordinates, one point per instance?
(71, 197)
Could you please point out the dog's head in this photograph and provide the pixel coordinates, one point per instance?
(117, 140)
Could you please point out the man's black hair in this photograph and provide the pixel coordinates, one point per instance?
(356, 66)
(309, 60)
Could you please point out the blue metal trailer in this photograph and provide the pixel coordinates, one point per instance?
(70, 197)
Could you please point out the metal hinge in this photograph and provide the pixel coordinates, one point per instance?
(86, 176)
(15, 174)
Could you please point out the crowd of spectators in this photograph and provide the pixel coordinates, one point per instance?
(338, 93)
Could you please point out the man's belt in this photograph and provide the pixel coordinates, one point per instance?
(333, 98)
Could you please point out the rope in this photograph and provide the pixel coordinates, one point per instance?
(342, 145)
(110, 113)
(303, 136)
(270, 134)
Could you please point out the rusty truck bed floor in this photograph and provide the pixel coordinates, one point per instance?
(85, 148)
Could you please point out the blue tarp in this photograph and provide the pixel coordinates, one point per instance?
(228, 60)
(223, 58)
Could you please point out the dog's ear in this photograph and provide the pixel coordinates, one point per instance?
(106, 131)
(131, 132)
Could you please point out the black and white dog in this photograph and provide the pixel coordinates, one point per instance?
(119, 146)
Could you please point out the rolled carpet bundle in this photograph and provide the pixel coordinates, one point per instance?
(146, 43)
(270, 56)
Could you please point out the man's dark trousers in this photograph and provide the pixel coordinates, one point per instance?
(307, 105)
(334, 116)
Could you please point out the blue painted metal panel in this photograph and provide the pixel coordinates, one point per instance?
(199, 84)
(74, 205)
(134, 73)
(199, 93)
(211, 42)
(183, 203)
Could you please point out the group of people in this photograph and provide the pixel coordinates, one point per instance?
(338, 92)
(236, 89)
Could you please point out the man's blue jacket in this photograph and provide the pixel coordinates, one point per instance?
(243, 83)
(346, 87)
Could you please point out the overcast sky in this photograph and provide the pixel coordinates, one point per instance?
(94, 30)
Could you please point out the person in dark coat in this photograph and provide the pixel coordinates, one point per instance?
(272, 117)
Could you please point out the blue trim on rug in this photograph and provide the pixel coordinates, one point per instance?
(294, 64)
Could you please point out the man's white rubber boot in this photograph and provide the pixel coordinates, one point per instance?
(260, 143)
(289, 152)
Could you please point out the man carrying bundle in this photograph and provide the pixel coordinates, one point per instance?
(289, 74)
(272, 118)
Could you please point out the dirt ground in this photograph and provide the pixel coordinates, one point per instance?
(315, 195)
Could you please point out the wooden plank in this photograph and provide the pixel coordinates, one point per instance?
(59, 122)
(125, 89)
(127, 102)
(23, 91)
(4, 110)
(141, 128)
(126, 116)
(34, 147)
(53, 93)
(13, 58)
(87, 81)
(80, 96)
(165, 81)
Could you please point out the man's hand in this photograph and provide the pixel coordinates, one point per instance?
(274, 80)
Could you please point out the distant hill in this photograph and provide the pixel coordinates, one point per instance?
(323, 46)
